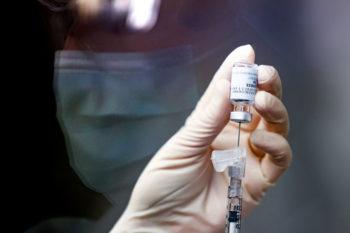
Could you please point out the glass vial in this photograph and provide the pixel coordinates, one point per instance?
(244, 80)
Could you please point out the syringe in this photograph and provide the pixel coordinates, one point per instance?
(234, 203)
(244, 80)
(234, 160)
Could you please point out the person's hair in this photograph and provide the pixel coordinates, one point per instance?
(59, 17)
(56, 5)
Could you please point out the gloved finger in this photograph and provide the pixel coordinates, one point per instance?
(203, 125)
(185, 156)
(143, 14)
(241, 54)
(269, 80)
(262, 174)
(278, 153)
(212, 112)
(273, 113)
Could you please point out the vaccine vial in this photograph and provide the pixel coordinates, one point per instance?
(244, 80)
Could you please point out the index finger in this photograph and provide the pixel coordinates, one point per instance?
(241, 54)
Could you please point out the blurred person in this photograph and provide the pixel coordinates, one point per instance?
(115, 86)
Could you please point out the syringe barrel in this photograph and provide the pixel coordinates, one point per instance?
(235, 188)
(234, 214)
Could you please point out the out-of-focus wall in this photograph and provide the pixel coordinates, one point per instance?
(313, 196)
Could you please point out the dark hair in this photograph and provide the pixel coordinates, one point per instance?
(59, 19)
(55, 5)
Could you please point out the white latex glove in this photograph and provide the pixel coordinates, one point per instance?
(140, 15)
(179, 191)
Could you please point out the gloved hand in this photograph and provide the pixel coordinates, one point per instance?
(179, 191)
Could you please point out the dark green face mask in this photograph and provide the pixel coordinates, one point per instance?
(117, 109)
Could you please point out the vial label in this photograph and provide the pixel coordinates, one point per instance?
(243, 84)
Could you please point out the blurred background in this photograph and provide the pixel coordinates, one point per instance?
(309, 43)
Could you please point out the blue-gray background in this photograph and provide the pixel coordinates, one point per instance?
(313, 196)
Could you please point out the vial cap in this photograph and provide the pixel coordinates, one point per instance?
(241, 117)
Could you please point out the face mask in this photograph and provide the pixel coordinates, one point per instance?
(116, 110)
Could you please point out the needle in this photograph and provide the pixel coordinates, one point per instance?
(239, 133)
